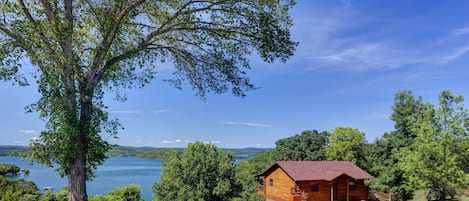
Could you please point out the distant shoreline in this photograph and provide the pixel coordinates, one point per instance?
(142, 152)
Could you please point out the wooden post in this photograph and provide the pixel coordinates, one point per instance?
(348, 189)
(332, 190)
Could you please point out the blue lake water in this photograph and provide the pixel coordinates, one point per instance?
(115, 172)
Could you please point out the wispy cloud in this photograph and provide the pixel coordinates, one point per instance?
(159, 111)
(455, 54)
(176, 141)
(126, 111)
(460, 31)
(363, 40)
(211, 142)
(29, 132)
(247, 124)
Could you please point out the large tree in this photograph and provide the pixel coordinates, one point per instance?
(309, 145)
(346, 144)
(200, 172)
(384, 155)
(434, 161)
(80, 49)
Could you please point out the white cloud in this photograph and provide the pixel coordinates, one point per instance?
(160, 111)
(16, 142)
(247, 124)
(211, 142)
(34, 138)
(29, 132)
(172, 141)
(126, 111)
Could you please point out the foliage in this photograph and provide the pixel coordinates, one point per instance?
(246, 171)
(80, 49)
(434, 161)
(383, 156)
(18, 190)
(125, 193)
(346, 144)
(8, 169)
(159, 153)
(309, 145)
(200, 172)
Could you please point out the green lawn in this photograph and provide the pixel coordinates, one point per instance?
(421, 196)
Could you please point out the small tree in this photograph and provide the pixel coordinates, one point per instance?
(201, 172)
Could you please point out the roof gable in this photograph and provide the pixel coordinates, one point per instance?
(318, 170)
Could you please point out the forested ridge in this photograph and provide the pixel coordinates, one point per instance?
(142, 152)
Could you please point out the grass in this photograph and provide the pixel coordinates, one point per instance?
(463, 195)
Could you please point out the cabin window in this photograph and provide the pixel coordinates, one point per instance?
(314, 188)
(352, 185)
(271, 182)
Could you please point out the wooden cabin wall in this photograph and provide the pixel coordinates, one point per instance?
(341, 189)
(323, 193)
(281, 190)
(360, 192)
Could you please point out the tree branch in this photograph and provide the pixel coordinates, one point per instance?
(96, 72)
(37, 27)
(51, 16)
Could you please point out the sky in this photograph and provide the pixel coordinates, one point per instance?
(353, 56)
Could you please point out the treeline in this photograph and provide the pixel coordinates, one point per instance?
(142, 152)
(428, 150)
(9, 150)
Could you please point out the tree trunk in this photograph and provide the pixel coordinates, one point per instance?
(443, 194)
(77, 174)
(77, 179)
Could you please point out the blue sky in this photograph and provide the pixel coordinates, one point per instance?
(352, 58)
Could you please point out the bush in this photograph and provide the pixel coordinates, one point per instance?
(18, 190)
(8, 169)
(126, 193)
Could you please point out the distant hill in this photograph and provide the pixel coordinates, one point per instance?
(11, 150)
(143, 152)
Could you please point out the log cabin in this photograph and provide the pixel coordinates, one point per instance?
(313, 181)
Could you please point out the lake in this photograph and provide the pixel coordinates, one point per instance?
(115, 172)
